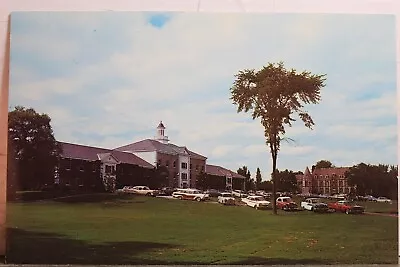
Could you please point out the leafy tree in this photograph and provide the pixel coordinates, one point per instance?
(160, 178)
(34, 146)
(201, 180)
(258, 179)
(12, 172)
(273, 94)
(249, 183)
(376, 180)
(323, 164)
(266, 186)
(286, 181)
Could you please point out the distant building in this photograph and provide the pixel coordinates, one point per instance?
(230, 180)
(183, 164)
(86, 167)
(324, 181)
(92, 168)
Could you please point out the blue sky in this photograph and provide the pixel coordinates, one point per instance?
(108, 78)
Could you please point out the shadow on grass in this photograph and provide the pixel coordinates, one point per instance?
(279, 261)
(93, 198)
(28, 247)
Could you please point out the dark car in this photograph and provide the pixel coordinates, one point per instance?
(166, 191)
(213, 192)
(320, 207)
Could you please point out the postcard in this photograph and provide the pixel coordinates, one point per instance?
(202, 138)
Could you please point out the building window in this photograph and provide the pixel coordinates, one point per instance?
(167, 163)
(184, 176)
(202, 168)
(108, 169)
(81, 168)
(68, 164)
(197, 167)
(174, 164)
(190, 166)
(184, 165)
(229, 180)
(159, 162)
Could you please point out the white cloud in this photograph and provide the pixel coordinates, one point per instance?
(254, 150)
(181, 74)
(296, 150)
(362, 132)
(224, 150)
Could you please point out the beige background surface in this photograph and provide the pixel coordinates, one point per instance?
(268, 6)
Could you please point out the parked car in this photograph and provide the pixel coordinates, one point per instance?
(384, 199)
(142, 190)
(286, 203)
(125, 189)
(190, 194)
(314, 204)
(346, 206)
(257, 202)
(339, 196)
(239, 193)
(371, 198)
(166, 191)
(213, 192)
(226, 198)
(261, 193)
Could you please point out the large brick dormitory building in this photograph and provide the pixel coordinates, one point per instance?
(324, 181)
(134, 164)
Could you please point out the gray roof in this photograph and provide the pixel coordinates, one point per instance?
(150, 145)
(75, 151)
(221, 171)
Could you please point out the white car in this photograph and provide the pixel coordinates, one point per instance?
(314, 204)
(239, 193)
(257, 202)
(371, 198)
(125, 189)
(142, 190)
(190, 194)
(226, 199)
(383, 199)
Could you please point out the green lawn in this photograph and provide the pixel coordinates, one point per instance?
(145, 230)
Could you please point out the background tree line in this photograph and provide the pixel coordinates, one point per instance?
(376, 180)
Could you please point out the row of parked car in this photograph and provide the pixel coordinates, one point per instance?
(257, 200)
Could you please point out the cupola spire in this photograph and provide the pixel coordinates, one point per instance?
(161, 137)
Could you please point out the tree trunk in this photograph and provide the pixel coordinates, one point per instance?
(274, 183)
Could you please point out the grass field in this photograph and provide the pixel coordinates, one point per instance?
(145, 230)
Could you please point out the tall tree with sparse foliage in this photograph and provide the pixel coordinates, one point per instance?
(273, 95)
(258, 179)
(36, 151)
